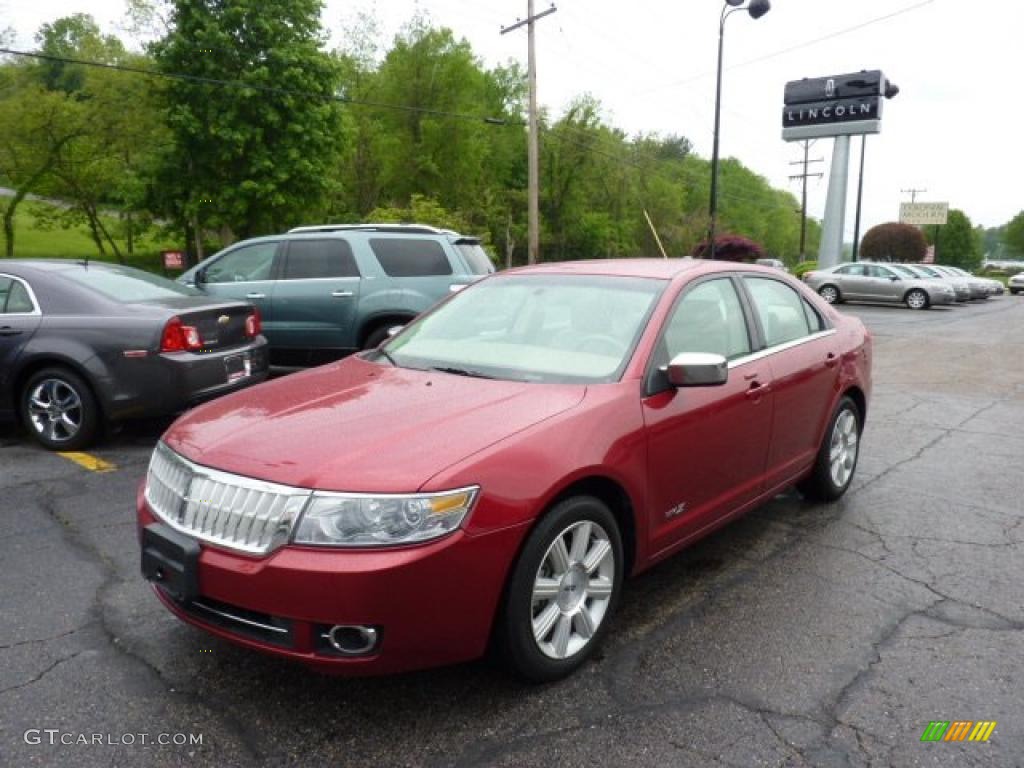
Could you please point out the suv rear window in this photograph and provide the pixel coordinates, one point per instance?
(408, 257)
(476, 257)
(311, 259)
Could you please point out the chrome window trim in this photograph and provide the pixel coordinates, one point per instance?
(769, 351)
(36, 310)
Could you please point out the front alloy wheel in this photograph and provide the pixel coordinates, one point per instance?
(572, 590)
(917, 299)
(829, 293)
(562, 591)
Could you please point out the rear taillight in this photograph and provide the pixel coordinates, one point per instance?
(178, 337)
(253, 324)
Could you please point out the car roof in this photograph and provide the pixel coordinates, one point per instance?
(663, 269)
(53, 265)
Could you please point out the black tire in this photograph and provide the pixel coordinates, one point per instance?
(916, 295)
(820, 484)
(69, 388)
(377, 335)
(516, 644)
(830, 294)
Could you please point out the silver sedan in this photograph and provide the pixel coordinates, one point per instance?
(862, 281)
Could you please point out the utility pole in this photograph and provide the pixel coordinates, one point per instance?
(803, 197)
(532, 144)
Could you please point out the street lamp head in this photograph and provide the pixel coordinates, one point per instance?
(735, 3)
(759, 8)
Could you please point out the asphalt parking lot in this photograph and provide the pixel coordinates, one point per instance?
(800, 635)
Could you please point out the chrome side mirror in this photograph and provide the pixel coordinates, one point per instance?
(698, 369)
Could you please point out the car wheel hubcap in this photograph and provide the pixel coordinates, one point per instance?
(916, 300)
(55, 410)
(829, 295)
(572, 589)
(843, 448)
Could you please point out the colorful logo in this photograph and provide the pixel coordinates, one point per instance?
(958, 730)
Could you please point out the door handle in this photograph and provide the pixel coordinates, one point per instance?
(756, 390)
(255, 295)
(342, 294)
(8, 331)
(831, 360)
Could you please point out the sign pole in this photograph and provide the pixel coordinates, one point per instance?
(830, 252)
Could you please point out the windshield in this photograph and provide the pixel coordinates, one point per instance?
(128, 285)
(929, 272)
(905, 271)
(542, 328)
(476, 257)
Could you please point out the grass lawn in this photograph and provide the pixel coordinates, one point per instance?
(31, 240)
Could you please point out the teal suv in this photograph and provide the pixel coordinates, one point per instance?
(326, 291)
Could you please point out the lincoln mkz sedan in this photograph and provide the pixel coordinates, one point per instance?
(488, 477)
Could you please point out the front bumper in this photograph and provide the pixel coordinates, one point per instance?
(937, 297)
(433, 604)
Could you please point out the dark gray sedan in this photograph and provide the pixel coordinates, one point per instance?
(84, 345)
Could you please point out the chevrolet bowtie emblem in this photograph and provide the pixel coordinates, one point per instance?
(223, 320)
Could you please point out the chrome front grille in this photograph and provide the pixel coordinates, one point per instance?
(228, 510)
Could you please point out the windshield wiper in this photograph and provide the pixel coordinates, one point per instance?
(461, 372)
(387, 356)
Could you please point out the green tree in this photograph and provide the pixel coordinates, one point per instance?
(75, 37)
(36, 126)
(957, 245)
(1013, 237)
(247, 160)
(893, 242)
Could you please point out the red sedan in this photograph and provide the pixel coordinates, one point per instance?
(493, 472)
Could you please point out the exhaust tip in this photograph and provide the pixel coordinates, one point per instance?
(352, 639)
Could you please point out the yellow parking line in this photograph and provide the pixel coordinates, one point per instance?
(88, 461)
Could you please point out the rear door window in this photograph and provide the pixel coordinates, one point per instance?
(781, 310)
(316, 259)
(410, 257)
(18, 301)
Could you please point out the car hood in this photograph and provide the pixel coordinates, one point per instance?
(362, 427)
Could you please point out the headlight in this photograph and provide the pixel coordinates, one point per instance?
(359, 520)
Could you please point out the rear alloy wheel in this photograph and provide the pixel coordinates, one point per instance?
(837, 456)
(917, 299)
(829, 293)
(562, 591)
(59, 409)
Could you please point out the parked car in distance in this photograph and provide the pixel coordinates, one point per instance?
(865, 281)
(777, 263)
(995, 288)
(327, 291)
(497, 469)
(964, 286)
(83, 345)
(1016, 283)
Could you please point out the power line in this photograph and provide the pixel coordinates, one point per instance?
(241, 85)
(792, 48)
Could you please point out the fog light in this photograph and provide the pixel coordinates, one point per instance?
(352, 639)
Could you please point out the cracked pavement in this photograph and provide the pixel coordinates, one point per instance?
(801, 635)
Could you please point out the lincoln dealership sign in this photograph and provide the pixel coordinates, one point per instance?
(841, 105)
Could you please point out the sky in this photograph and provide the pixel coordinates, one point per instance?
(953, 130)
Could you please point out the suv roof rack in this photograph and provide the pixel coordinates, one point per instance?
(415, 229)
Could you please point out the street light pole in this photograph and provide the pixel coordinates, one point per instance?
(756, 9)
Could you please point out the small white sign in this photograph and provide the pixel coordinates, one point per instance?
(924, 214)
